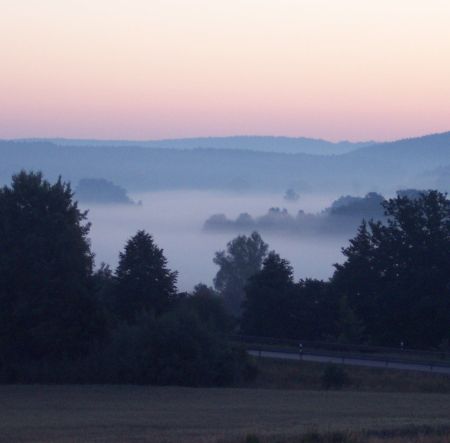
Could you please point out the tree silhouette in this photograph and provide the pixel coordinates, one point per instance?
(46, 310)
(397, 275)
(242, 259)
(266, 306)
(144, 282)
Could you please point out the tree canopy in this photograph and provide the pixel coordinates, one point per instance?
(45, 269)
(276, 306)
(60, 321)
(267, 299)
(397, 274)
(394, 286)
(101, 191)
(144, 282)
(242, 259)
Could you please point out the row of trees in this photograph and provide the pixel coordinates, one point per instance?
(62, 322)
(393, 287)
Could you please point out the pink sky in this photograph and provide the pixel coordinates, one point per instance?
(143, 69)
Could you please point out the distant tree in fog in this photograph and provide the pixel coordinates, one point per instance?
(144, 282)
(101, 191)
(366, 207)
(342, 217)
(46, 310)
(291, 195)
(242, 259)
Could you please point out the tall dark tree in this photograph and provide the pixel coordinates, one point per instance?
(144, 282)
(46, 310)
(268, 295)
(275, 306)
(242, 259)
(359, 280)
(397, 275)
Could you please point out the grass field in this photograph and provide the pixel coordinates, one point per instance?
(170, 414)
(288, 374)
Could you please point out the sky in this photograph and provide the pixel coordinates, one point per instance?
(151, 69)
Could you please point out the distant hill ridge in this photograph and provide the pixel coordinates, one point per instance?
(384, 167)
(277, 144)
(404, 146)
(429, 151)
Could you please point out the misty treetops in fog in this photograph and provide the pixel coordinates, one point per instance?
(342, 217)
(242, 259)
(101, 191)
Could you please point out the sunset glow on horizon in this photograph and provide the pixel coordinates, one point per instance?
(150, 69)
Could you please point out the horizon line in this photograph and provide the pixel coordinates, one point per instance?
(207, 137)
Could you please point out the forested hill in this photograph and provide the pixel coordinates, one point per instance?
(416, 153)
(383, 167)
(292, 145)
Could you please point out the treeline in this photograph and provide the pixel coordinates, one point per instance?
(101, 191)
(62, 321)
(342, 217)
(394, 286)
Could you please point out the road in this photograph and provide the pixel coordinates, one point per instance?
(356, 361)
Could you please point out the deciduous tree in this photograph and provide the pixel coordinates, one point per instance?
(397, 275)
(46, 308)
(242, 259)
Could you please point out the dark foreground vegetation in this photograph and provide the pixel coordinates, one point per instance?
(392, 290)
(62, 321)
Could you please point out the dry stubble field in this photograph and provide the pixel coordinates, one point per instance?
(138, 413)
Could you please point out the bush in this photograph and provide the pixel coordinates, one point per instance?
(175, 348)
(334, 377)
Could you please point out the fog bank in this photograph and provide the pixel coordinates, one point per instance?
(175, 219)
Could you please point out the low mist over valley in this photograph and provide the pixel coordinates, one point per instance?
(194, 195)
(176, 219)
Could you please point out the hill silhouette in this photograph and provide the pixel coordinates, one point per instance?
(383, 167)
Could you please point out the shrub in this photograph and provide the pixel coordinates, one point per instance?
(334, 377)
(175, 348)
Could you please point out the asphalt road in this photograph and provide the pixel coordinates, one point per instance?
(352, 360)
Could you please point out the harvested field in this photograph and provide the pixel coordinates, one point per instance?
(37, 413)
